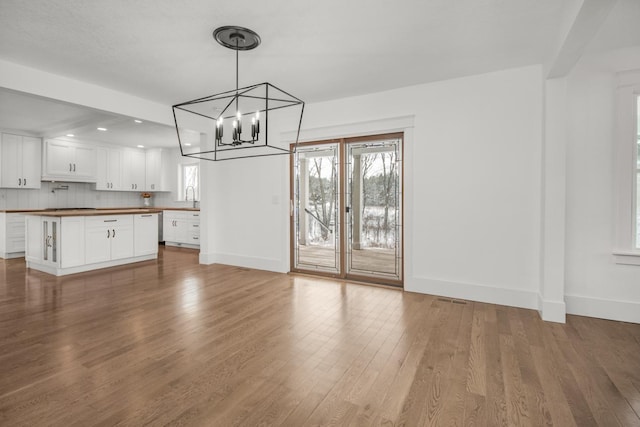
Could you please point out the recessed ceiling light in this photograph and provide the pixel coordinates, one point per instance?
(187, 144)
(70, 135)
(138, 121)
(102, 129)
(140, 146)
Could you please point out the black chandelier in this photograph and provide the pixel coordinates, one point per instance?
(235, 124)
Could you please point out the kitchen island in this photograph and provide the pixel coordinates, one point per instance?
(74, 241)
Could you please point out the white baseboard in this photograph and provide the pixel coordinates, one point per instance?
(9, 255)
(552, 311)
(207, 258)
(472, 292)
(258, 263)
(624, 311)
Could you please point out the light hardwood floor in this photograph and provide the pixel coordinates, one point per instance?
(173, 342)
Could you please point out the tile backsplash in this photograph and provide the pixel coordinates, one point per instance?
(79, 195)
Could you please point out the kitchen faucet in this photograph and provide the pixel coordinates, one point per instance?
(186, 194)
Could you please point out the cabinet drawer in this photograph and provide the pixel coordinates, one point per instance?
(99, 221)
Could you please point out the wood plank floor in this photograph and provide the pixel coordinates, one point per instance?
(171, 342)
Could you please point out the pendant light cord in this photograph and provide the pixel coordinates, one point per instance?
(237, 73)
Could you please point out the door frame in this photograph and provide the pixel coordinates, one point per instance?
(342, 171)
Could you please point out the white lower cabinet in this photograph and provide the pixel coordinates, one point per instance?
(181, 228)
(72, 244)
(109, 237)
(145, 225)
(11, 235)
(55, 242)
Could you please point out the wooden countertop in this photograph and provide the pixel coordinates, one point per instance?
(94, 211)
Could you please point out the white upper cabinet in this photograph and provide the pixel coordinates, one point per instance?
(69, 161)
(20, 158)
(109, 169)
(133, 172)
(157, 170)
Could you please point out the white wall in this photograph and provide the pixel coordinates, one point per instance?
(595, 284)
(472, 180)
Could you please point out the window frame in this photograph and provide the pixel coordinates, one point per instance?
(626, 168)
(181, 181)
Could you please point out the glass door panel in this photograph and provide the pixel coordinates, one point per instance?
(316, 225)
(374, 209)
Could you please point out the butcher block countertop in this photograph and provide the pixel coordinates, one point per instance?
(93, 212)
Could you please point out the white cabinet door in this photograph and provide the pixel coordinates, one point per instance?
(51, 232)
(84, 165)
(122, 239)
(59, 158)
(122, 243)
(168, 227)
(20, 159)
(11, 157)
(158, 169)
(34, 239)
(31, 162)
(145, 241)
(153, 167)
(133, 173)
(109, 169)
(97, 242)
(72, 241)
(71, 161)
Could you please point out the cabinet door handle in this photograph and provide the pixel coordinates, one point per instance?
(19, 182)
(24, 180)
(70, 167)
(110, 220)
(145, 216)
(114, 232)
(74, 167)
(108, 234)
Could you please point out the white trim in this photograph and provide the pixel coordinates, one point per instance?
(10, 255)
(625, 164)
(347, 130)
(623, 311)
(626, 258)
(57, 271)
(257, 263)
(474, 292)
(182, 245)
(552, 311)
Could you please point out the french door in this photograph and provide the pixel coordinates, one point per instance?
(346, 220)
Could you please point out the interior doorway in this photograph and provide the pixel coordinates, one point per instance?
(346, 220)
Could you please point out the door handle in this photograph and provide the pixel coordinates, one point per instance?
(24, 180)
(19, 182)
(348, 209)
(70, 167)
(108, 234)
(114, 232)
(74, 167)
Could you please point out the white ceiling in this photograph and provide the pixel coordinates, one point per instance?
(162, 50)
